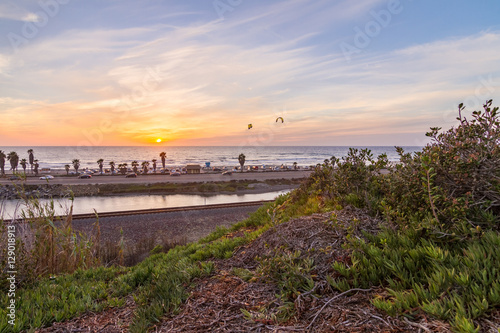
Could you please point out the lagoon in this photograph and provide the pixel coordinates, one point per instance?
(102, 204)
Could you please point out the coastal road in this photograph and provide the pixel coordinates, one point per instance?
(151, 179)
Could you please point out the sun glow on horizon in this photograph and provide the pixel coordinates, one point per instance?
(158, 140)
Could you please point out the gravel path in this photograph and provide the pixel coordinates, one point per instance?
(191, 225)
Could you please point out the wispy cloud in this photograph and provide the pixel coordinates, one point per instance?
(11, 11)
(4, 64)
(203, 81)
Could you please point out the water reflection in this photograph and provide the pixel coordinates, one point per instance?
(10, 208)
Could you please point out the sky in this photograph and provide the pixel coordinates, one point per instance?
(339, 72)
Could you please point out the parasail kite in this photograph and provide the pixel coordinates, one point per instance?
(282, 121)
(250, 126)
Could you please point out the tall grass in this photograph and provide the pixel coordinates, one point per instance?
(47, 244)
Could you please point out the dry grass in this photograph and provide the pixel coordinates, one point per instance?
(216, 302)
(48, 245)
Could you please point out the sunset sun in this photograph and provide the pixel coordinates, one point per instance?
(158, 140)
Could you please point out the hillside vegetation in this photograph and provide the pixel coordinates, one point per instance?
(363, 245)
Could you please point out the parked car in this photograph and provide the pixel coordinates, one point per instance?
(85, 176)
(46, 177)
(131, 175)
(227, 173)
(14, 178)
(175, 173)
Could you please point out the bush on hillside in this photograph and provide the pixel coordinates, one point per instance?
(438, 256)
(466, 162)
(353, 179)
(455, 179)
(451, 188)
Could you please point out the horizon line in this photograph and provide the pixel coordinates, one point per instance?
(218, 146)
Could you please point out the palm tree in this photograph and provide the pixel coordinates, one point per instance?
(241, 159)
(100, 162)
(123, 168)
(31, 159)
(163, 156)
(145, 165)
(112, 165)
(154, 164)
(66, 167)
(23, 164)
(14, 160)
(295, 165)
(76, 164)
(2, 162)
(35, 165)
(135, 164)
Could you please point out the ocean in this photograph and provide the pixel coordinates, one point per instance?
(55, 157)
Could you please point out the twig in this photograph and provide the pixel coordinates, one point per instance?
(430, 195)
(315, 234)
(416, 325)
(382, 320)
(330, 300)
(284, 328)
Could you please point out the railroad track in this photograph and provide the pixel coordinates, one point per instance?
(164, 210)
(169, 210)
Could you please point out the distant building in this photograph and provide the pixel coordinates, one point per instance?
(193, 168)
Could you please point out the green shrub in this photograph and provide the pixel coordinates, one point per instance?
(351, 180)
(455, 179)
(451, 187)
(439, 253)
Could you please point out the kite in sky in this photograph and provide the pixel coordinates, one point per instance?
(277, 119)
